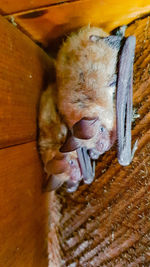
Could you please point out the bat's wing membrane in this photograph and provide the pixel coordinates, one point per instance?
(124, 102)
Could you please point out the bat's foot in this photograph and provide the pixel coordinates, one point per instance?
(72, 187)
(126, 157)
(134, 149)
(121, 31)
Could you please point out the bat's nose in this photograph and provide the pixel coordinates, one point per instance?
(102, 145)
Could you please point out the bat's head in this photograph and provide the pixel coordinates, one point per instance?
(64, 168)
(89, 133)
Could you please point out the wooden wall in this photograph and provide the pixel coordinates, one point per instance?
(105, 224)
(16, 6)
(24, 71)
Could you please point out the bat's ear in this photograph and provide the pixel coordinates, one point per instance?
(56, 166)
(86, 128)
(112, 40)
(53, 182)
(70, 144)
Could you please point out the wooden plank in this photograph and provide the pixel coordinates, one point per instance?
(23, 208)
(107, 223)
(9, 6)
(49, 23)
(24, 71)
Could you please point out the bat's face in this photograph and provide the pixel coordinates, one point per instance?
(64, 167)
(98, 139)
(90, 139)
(102, 143)
(90, 133)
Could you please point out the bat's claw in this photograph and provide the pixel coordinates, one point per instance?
(121, 31)
(72, 187)
(134, 149)
(126, 158)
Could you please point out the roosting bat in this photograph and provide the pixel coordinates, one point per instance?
(94, 83)
(60, 167)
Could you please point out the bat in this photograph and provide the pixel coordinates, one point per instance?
(94, 79)
(59, 167)
(94, 99)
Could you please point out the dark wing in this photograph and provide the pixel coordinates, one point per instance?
(124, 102)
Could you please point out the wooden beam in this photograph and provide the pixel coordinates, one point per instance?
(25, 70)
(23, 208)
(48, 23)
(9, 7)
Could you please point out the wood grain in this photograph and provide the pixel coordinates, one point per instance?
(9, 6)
(23, 208)
(108, 222)
(24, 71)
(48, 23)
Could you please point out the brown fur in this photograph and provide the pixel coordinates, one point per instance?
(84, 71)
(52, 135)
(52, 130)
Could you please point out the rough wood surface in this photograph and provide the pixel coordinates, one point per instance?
(24, 71)
(49, 23)
(108, 223)
(23, 208)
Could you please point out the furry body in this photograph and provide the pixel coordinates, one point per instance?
(86, 80)
(77, 115)
(85, 69)
(58, 166)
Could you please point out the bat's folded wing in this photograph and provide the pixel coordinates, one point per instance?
(86, 165)
(124, 102)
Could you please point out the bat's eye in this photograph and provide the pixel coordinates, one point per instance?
(102, 129)
(94, 38)
(71, 162)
